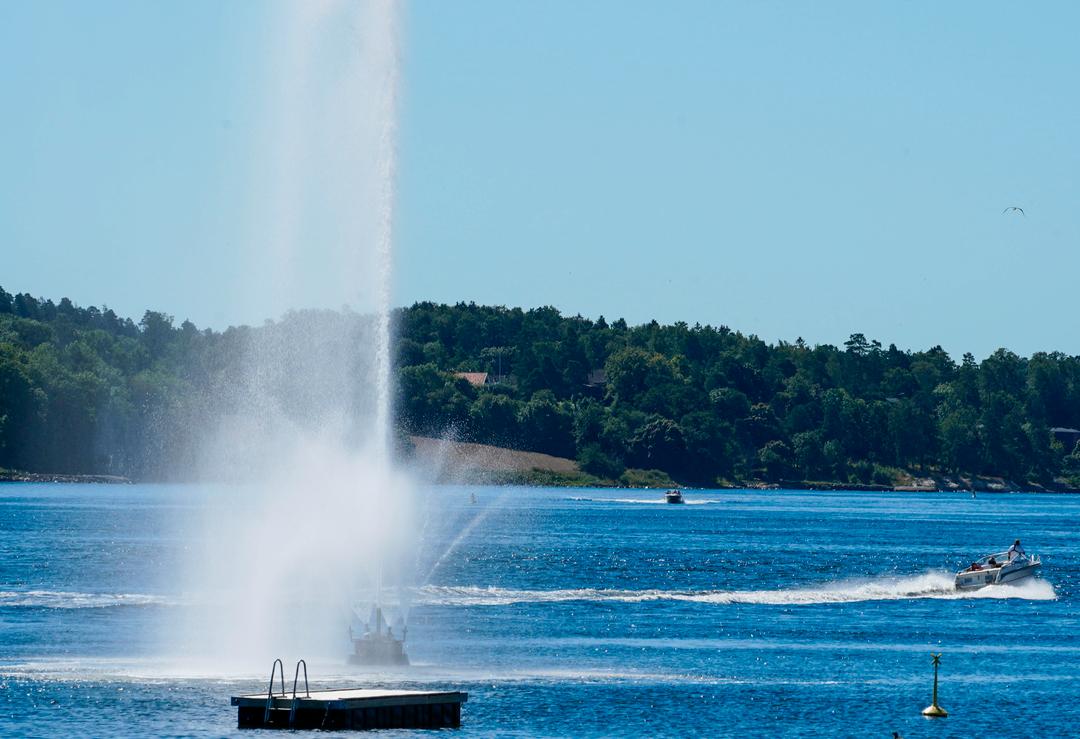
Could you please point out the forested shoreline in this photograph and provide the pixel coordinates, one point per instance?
(85, 391)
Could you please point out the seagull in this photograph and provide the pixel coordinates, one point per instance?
(1013, 208)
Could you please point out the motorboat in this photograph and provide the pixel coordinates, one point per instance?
(997, 569)
(377, 644)
(673, 496)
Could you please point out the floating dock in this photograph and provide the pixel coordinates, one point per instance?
(351, 708)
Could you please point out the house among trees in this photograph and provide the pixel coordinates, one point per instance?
(1067, 436)
(476, 379)
(596, 383)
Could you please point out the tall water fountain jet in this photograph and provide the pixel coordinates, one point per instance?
(384, 249)
(311, 512)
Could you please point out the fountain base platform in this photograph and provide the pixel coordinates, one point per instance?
(351, 708)
(378, 649)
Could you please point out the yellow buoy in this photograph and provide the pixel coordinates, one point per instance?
(934, 710)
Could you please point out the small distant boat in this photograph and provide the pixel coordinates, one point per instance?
(997, 569)
(673, 496)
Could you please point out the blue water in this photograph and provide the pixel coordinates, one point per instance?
(591, 613)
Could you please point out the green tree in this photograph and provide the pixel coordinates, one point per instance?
(597, 462)
(775, 460)
(547, 425)
(493, 419)
(658, 444)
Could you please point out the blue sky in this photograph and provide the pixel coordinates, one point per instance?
(787, 169)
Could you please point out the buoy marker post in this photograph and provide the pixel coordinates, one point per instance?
(934, 710)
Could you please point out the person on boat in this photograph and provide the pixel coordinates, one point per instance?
(992, 563)
(1016, 550)
(975, 567)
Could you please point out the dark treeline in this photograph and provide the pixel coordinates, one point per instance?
(83, 390)
(704, 403)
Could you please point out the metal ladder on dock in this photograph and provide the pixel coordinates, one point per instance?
(270, 690)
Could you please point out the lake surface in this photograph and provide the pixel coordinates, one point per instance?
(588, 613)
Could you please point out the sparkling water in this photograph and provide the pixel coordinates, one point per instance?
(570, 613)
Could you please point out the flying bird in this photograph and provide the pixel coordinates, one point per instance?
(1012, 208)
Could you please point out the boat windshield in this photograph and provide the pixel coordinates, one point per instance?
(1000, 558)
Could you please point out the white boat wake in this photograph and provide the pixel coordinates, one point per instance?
(936, 585)
(645, 501)
(68, 600)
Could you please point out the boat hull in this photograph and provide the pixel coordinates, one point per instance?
(1020, 573)
(975, 580)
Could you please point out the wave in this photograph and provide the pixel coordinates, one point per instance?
(158, 671)
(930, 585)
(644, 501)
(933, 585)
(68, 600)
